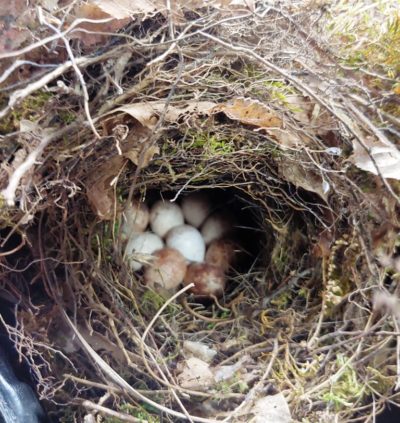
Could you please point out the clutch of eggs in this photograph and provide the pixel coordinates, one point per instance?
(175, 245)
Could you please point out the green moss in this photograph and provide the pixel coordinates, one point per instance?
(233, 385)
(279, 90)
(345, 391)
(211, 144)
(66, 116)
(282, 301)
(153, 301)
(139, 412)
(380, 382)
(31, 108)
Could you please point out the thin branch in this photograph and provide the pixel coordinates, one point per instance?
(42, 20)
(122, 416)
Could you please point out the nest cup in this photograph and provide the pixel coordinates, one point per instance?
(96, 283)
(273, 297)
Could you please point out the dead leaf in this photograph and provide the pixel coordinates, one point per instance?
(271, 409)
(268, 409)
(100, 192)
(49, 5)
(148, 113)
(287, 138)
(142, 159)
(299, 106)
(94, 12)
(227, 372)
(126, 8)
(299, 176)
(385, 154)
(122, 12)
(251, 112)
(310, 114)
(199, 350)
(195, 374)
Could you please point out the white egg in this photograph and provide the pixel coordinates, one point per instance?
(135, 219)
(167, 269)
(165, 216)
(141, 245)
(217, 226)
(196, 207)
(188, 241)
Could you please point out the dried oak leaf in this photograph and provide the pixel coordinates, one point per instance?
(253, 112)
(148, 113)
(250, 112)
(176, 11)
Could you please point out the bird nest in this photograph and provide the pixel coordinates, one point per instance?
(175, 106)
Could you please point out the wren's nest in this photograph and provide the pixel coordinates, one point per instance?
(270, 139)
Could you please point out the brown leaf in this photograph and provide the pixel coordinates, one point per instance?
(148, 113)
(93, 11)
(301, 177)
(251, 112)
(287, 138)
(99, 189)
(142, 157)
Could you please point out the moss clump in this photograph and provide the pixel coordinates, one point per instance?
(140, 413)
(211, 144)
(31, 108)
(347, 389)
(67, 116)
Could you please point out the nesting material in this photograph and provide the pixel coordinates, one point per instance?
(196, 207)
(208, 279)
(164, 216)
(142, 244)
(217, 226)
(167, 269)
(135, 219)
(188, 241)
